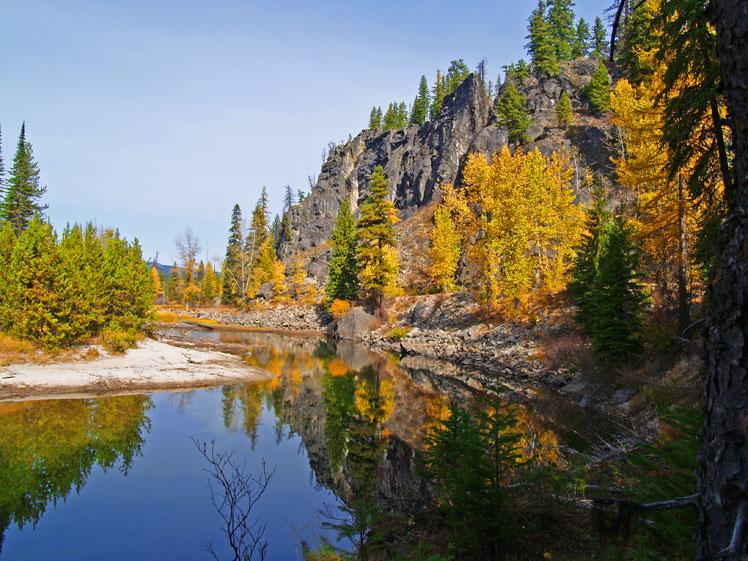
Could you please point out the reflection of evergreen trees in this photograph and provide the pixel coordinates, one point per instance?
(47, 448)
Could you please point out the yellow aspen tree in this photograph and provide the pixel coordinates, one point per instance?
(446, 238)
(280, 289)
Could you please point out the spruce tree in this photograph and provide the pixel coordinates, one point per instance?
(617, 297)
(377, 255)
(512, 113)
(342, 282)
(231, 261)
(599, 43)
(288, 199)
(2, 176)
(564, 110)
(561, 21)
(598, 90)
(582, 42)
(421, 103)
(456, 74)
(402, 115)
(173, 283)
(540, 43)
(276, 233)
(438, 98)
(23, 191)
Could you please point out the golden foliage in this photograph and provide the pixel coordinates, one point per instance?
(339, 308)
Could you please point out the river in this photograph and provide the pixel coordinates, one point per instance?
(120, 477)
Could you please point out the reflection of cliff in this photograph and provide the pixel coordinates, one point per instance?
(47, 448)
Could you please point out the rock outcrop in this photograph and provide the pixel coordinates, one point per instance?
(418, 160)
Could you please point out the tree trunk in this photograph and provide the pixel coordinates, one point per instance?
(723, 470)
(684, 316)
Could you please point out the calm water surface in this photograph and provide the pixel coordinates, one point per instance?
(120, 478)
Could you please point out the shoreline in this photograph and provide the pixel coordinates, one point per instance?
(153, 365)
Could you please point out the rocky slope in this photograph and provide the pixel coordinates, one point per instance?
(418, 160)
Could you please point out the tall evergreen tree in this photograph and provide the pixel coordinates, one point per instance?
(564, 110)
(377, 255)
(561, 21)
(288, 199)
(421, 103)
(276, 233)
(391, 117)
(456, 74)
(375, 119)
(599, 43)
(598, 90)
(23, 191)
(231, 261)
(617, 297)
(438, 99)
(342, 282)
(512, 113)
(582, 43)
(402, 115)
(540, 42)
(2, 174)
(259, 244)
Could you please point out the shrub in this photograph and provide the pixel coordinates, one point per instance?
(119, 340)
(10, 344)
(338, 308)
(398, 333)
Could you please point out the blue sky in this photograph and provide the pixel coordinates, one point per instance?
(155, 116)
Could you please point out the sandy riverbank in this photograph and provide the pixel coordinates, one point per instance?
(153, 365)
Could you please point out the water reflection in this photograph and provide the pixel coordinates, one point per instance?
(354, 420)
(48, 448)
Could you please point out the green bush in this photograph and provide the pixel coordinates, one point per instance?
(119, 340)
(398, 333)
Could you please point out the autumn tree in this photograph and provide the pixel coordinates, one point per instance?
(525, 228)
(377, 254)
(156, 280)
(280, 288)
(342, 281)
(513, 114)
(209, 284)
(447, 238)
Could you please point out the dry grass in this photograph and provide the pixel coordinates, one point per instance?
(171, 316)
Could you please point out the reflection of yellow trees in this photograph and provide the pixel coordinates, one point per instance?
(49, 447)
(374, 398)
(536, 442)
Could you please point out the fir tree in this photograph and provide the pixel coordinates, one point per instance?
(259, 244)
(582, 42)
(377, 255)
(276, 233)
(342, 282)
(598, 43)
(210, 284)
(2, 175)
(561, 21)
(564, 110)
(231, 261)
(301, 195)
(617, 297)
(421, 103)
(540, 43)
(288, 199)
(173, 283)
(456, 74)
(402, 115)
(598, 90)
(438, 98)
(512, 113)
(23, 191)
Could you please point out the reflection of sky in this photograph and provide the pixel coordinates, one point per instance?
(161, 509)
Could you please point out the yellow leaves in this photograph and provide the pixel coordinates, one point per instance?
(339, 308)
(525, 225)
(445, 249)
(156, 280)
(280, 289)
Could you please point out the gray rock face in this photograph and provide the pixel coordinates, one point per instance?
(355, 324)
(418, 160)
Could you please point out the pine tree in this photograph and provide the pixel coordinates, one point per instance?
(598, 90)
(23, 191)
(375, 120)
(421, 103)
(342, 282)
(561, 21)
(260, 245)
(581, 44)
(2, 176)
(617, 297)
(173, 284)
(391, 117)
(377, 255)
(231, 269)
(301, 195)
(288, 199)
(512, 113)
(540, 43)
(438, 98)
(456, 74)
(564, 110)
(276, 234)
(599, 43)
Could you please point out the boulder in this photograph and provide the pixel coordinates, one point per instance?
(355, 324)
(266, 291)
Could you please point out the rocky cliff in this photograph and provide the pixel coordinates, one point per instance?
(418, 160)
